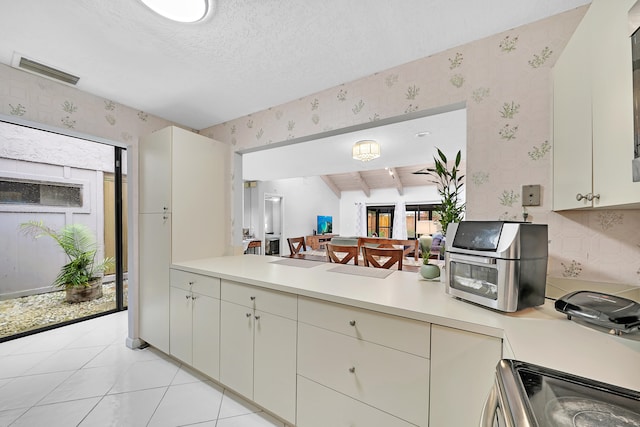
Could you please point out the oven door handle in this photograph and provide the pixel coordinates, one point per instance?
(490, 407)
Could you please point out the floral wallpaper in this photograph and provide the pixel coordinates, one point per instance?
(44, 101)
(505, 81)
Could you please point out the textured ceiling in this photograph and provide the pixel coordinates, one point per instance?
(249, 55)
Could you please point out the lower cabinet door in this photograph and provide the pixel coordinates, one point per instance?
(180, 337)
(274, 363)
(390, 380)
(319, 406)
(206, 335)
(236, 348)
(463, 368)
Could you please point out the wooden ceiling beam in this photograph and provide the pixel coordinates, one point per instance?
(396, 180)
(329, 182)
(360, 181)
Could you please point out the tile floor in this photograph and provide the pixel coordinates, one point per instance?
(84, 375)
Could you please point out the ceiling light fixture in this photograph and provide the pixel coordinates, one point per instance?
(180, 11)
(366, 150)
(423, 133)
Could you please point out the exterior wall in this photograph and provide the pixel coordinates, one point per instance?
(29, 266)
(505, 81)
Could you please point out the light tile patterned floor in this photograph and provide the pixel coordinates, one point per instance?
(84, 375)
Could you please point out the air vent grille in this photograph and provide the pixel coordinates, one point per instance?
(47, 71)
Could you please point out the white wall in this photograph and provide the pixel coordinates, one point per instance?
(304, 199)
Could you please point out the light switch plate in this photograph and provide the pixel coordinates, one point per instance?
(531, 195)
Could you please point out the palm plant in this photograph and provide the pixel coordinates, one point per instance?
(79, 245)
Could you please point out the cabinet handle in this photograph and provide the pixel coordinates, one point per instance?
(191, 283)
(352, 322)
(252, 298)
(257, 316)
(589, 197)
(187, 296)
(194, 297)
(248, 314)
(352, 369)
(164, 208)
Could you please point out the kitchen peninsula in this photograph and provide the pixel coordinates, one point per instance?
(299, 338)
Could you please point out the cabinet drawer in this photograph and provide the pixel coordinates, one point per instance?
(319, 406)
(388, 379)
(274, 302)
(205, 285)
(368, 325)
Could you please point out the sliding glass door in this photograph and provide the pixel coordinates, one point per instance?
(62, 217)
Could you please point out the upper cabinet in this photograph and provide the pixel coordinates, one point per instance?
(183, 173)
(593, 113)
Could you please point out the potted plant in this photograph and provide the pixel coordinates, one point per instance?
(449, 183)
(81, 277)
(428, 270)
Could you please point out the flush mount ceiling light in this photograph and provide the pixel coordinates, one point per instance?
(180, 11)
(366, 150)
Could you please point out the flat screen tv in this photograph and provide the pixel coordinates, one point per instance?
(325, 224)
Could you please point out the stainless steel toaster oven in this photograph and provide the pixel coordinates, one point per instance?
(497, 264)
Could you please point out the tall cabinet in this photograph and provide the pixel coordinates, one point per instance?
(182, 216)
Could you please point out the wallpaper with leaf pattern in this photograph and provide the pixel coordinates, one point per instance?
(505, 81)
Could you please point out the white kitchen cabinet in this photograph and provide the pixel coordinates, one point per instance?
(258, 346)
(362, 355)
(155, 250)
(593, 113)
(195, 321)
(462, 373)
(182, 216)
(319, 406)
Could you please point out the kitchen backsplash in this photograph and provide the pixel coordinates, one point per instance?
(505, 81)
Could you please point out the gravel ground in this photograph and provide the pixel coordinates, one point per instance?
(36, 311)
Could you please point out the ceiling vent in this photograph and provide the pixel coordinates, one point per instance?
(45, 70)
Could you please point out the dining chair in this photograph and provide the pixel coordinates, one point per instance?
(382, 257)
(342, 254)
(296, 244)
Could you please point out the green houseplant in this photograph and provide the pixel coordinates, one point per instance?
(428, 270)
(449, 182)
(81, 277)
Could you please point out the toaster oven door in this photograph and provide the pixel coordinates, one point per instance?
(483, 280)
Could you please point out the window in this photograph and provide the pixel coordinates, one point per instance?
(380, 221)
(40, 193)
(417, 213)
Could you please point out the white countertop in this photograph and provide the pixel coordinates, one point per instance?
(538, 335)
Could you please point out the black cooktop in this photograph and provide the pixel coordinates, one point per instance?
(558, 399)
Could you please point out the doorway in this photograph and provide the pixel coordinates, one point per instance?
(62, 184)
(273, 222)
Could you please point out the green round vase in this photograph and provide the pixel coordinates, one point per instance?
(430, 271)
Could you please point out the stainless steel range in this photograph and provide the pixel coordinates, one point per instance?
(527, 395)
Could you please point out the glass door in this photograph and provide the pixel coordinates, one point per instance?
(63, 229)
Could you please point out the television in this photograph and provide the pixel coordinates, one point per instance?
(325, 224)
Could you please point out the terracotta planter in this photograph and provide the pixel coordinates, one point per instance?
(85, 293)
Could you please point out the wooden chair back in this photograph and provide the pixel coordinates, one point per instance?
(409, 246)
(342, 254)
(382, 257)
(296, 244)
